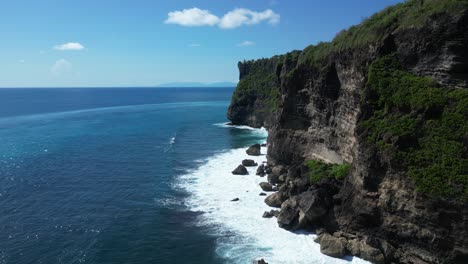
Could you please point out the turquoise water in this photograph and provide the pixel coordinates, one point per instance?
(87, 175)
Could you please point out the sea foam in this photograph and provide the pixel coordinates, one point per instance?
(243, 235)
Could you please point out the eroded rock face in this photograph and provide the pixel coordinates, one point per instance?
(319, 117)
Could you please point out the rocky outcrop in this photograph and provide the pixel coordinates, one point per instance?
(240, 170)
(254, 150)
(323, 102)
(249, 163)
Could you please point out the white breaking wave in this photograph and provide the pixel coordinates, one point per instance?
(257, 131)
(244, 234)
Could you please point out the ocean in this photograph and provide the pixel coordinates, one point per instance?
(133, 175)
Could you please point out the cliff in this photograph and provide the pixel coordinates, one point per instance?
(389, 97)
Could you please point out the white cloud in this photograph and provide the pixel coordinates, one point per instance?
(69, 46)
(246, 43)
(238, 17)
(192, 17)
(60, 67)
(242, 16)
(195, 45)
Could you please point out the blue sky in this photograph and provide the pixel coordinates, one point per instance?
(143, 43)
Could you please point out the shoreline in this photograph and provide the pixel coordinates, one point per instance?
(243, 234)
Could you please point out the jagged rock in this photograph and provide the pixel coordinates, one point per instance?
(270, 214)
(314, 204)
(371, 254)
(290, 217)
(235, 200)
(275, 199)
(261, 170)
(333, 246)
(263, 194)
(249, 163)
(263, 144)
(354, 247)
(254, 150)
(268, 169)
(278, 170)
(267, 187)
(240, 170)
(273, 178)
(282, 178)
(260, 261)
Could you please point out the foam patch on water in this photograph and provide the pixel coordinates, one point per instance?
(257, 131)
(243, 234)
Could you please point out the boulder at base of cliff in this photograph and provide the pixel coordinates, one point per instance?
(254, 150)
(332, 246)
(290, 216)
(249, 163)
(371, 254)
(267, 187)
(261, 170)
(275, 199)
(240, 170)
(314, 204)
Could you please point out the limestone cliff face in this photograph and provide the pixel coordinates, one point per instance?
(318, 114)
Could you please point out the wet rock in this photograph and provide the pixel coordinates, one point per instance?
(333, 246)
(254, 150)
(267, 187)
(235, 200)
(275, 199)
(270, 214)
(261, 170)
(240, 170)
(263, 194)
(249, 163)
(260, 261)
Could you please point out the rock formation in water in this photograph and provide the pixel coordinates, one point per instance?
(368, 134)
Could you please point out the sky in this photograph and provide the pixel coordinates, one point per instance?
(129, 43)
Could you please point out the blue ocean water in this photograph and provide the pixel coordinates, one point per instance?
(88, 175)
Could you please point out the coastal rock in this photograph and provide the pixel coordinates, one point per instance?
(273, 179)
(263, 194)
(371, 254)
(270, 214)
(332, 246)
(278, 170)
(240, 170)
(261, 170)
(260, 261)
(267, 187)
(254, 150)
(314, 204)
(235, 200)
(275, 199)
(249, 163)
(290, 216)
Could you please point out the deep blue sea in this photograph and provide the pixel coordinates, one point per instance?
(131, 175)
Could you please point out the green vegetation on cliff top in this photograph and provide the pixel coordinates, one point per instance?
(410, 14)
(263, 82)
(423, 127)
